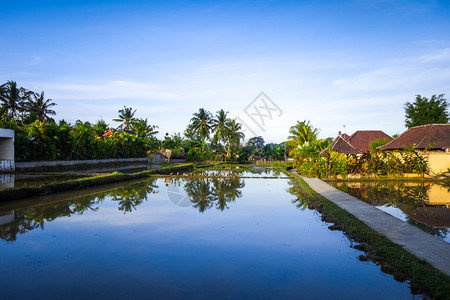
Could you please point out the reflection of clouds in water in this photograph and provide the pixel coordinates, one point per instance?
(178, 196)
(393, 211)
(111, 216)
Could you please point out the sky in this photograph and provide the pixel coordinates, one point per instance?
(343, 65)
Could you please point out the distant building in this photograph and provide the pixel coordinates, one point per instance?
(432, 140)
(6, 150)
(357, 143)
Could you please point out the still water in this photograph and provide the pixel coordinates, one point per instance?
(425, 205)
(163, 238)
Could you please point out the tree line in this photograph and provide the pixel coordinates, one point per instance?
(207, 136)
(39, 137)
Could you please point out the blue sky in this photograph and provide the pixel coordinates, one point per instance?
(336, 63)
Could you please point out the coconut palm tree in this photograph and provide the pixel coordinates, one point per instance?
(233, 135)
(142, 128)
(303, 132)
(126, 117)
(12, 98)
(219, 125)
(40, 107)
(202, 124)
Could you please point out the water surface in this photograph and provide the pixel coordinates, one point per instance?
(422, 204)
(164, 238)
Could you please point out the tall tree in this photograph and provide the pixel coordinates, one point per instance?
(202, 124)
(234, 135)
(426, 111)
(256, 144)
(142, 128)
(303, 132)
(40, 107)
(13, 98)
(126, 117)
(219, 125)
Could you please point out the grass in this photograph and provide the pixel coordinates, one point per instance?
(392, 257)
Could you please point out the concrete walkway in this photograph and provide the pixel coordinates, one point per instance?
(414, 240)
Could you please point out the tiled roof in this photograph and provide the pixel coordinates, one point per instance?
(357, 143)
(343, 146)
(345, 136)
(435, 135)
(362, 138)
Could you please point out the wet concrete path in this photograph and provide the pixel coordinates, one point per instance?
(414, 240)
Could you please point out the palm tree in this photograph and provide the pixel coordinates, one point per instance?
(142, 128)
(125, 117)
(40, 106)
(233, 135)
(201, 123)
(219, 125)
(303, 132)
(12, 98)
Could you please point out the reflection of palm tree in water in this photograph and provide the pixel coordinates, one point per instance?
(131, 197)
(34, 217)
(203, 194)
(200, 193)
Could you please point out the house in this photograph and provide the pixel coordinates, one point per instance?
(432, 141)
(357, 143)
(7, 150)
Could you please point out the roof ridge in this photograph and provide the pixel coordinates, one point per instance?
(425, 135)
(359, 150)
(387, 144)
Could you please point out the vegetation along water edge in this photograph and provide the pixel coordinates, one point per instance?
(86, 182)
(392, 258)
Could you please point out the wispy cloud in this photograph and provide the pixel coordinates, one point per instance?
(417, 72)
(110, 89)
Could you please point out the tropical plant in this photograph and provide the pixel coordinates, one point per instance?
(299, 134)
(274, 151)
(303, 132)
(377, 143)
(202, 124)
(234, 135)
(13, 99)
(101, 127)
(256, 145)
(39, 107)
(142, 128)
(426, 111)
(126, 117)
(219, 126)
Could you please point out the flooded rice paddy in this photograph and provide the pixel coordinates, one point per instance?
(425, 205)
(228, 237)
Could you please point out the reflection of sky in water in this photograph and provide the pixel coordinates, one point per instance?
(393, 212)
(262, 246)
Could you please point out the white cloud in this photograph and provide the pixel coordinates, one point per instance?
(109, 89)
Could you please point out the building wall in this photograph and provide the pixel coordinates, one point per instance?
(6, 150)
(438, 162)
(7, 165)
